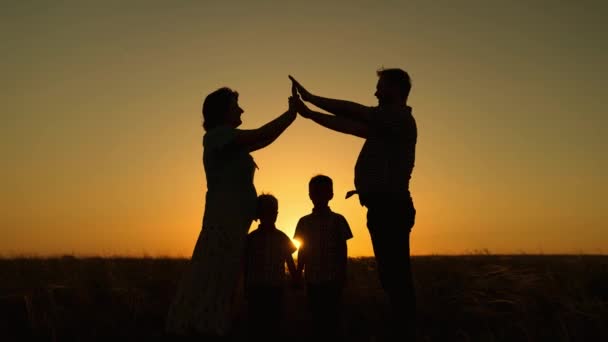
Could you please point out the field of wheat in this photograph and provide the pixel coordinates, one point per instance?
(460, 298)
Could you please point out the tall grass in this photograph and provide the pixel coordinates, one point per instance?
(460, 298)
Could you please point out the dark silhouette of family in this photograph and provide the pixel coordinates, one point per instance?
(226, 252)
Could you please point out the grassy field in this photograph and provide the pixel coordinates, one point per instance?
(460, 298)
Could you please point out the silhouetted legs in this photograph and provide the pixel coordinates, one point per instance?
(389, 220)
(324, 303)
(265, 312)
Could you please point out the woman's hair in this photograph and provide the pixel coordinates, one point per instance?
(265, 203)
(216, 105)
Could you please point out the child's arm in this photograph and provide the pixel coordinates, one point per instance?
(301, 262)
(300, 236)
(298, 279)
(291, 265)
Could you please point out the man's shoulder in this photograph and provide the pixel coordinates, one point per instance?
(402, 111)
(396, 119)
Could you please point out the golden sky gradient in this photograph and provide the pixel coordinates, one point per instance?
(101, 134)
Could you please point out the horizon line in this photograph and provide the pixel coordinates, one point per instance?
(161, 256)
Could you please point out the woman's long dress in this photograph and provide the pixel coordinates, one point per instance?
(204, 298)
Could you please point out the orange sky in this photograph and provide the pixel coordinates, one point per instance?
(101, 135)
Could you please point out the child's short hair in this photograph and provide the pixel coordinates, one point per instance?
(320, 180)
(266, 202)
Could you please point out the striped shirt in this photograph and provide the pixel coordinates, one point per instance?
(266, 253)
(386, 160)
(323, 235)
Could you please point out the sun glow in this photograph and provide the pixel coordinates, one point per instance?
(297, 243)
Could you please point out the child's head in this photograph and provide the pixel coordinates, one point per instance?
(267, 208)
(320, 190)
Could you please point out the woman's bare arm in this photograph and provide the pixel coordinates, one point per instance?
(255, 139)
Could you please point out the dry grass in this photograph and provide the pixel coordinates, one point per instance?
(460, 298)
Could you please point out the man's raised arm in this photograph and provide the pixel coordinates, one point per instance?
(337, 123)
(343, 108)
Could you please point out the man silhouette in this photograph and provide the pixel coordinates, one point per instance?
(382, 175)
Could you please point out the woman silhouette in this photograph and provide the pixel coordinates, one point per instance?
(204, 299)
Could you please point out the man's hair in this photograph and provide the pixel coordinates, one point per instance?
(266, 202)
(320, 180)
(216, 105)
(398, 78)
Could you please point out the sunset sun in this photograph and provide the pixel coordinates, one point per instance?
(297, 243)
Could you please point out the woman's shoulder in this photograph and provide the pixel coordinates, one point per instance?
(218, 136)
(219, 131)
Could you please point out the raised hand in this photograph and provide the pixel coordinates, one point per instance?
(306, 96)
(294, 90)
(293, 104)
(301, 107)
